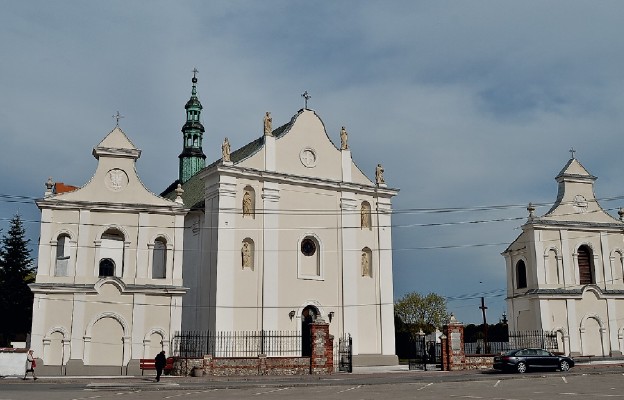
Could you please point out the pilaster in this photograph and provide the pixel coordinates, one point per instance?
(269, 153)
(84, 254)
(270, 253)
(350, 266)
(573, 328)
(613, 328)
(226, 225)
(568, 261)
(386, 293)
(346, 165)
(606, 264)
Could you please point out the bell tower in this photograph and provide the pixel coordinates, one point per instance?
(192, 158)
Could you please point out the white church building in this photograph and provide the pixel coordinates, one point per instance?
(565, 270)
(286, 230)
(275, 235)
(108, 289)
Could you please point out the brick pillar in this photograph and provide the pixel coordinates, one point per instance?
(445, 352)
(322, 359)
(453, 346)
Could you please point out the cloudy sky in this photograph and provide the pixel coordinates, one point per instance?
(470, 106)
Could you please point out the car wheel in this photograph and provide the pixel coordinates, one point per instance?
(521, 367)
(564, 366)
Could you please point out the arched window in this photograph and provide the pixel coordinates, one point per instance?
(249, 202)
(365, 215)
(107, 267)
(309, 258)
(159, 259)
(521, 277)
(586, 265)
(112, 248)
(62, 255)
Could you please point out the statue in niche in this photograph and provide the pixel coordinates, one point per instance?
(268, 122)
(246, 255)
(247, 204)
(225, 150)
(344, 136)
(365, 217)
(379, 178)
(365, 264)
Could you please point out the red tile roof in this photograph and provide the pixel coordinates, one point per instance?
(60, 187)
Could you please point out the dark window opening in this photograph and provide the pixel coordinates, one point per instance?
(308, 247)
(521, 278)
(107, 267)
(585, 266)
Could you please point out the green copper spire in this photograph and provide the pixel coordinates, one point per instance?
(192, 158)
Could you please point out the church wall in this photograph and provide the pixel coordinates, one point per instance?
(54, 224)
(289, 147)
(297, 289)
(248, 228)
(194, 275)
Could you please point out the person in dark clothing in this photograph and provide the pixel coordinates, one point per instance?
(160, 362)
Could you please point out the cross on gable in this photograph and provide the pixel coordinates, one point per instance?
(306, 96)
(572, 151)
(117, 118)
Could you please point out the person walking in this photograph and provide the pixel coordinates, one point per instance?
(30, 364)
(160, 361)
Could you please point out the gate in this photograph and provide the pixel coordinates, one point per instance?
(421, 357)
(345, 354)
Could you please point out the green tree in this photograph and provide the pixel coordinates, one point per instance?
(16, 272)
(421, 312)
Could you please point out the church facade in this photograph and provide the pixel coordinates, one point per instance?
(108, 289)
(565, 271)
(284, 231)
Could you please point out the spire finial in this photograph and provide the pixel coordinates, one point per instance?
(572, 151)
(307, 97)
(195, 71)
(117, 118)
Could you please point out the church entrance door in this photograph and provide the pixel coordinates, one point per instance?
(308, 316)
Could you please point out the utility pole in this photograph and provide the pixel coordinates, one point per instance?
(485, 327)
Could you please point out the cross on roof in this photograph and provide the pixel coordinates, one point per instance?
(118, 117)
(195, 71)
(572, 151)
(306, 96)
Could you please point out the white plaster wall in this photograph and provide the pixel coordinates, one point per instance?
(12, 364)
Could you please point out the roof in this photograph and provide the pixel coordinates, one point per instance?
(60, 187)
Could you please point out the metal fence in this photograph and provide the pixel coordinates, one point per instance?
(197, 344)
(533, 339)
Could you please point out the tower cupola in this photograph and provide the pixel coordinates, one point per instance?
(192, 158)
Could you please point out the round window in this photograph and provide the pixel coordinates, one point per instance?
(308, 247)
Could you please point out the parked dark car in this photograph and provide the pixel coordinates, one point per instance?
(522, 360)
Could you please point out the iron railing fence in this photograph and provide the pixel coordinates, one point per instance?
(197, 344)
(546, 340)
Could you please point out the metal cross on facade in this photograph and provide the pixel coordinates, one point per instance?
(118, 117)
(306, 96)
(572, 151)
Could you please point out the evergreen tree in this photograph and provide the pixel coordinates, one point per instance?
(16, 272)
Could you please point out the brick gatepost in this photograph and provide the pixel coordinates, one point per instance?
(322, 358)
(453, 356)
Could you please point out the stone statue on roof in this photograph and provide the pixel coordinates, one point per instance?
(268, 122)
(344, 136)
(379, 178)
(225, 150)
